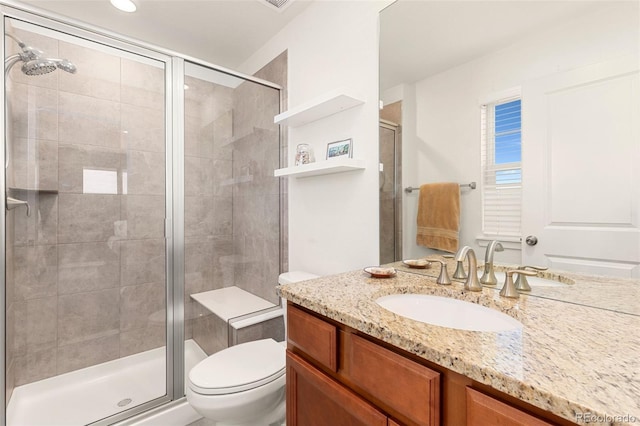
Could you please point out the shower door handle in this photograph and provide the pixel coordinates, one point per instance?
(13, 203)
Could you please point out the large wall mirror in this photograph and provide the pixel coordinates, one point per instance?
(536, 101)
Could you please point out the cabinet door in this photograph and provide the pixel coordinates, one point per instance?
(314, 399)
(403, 388)
(482, 410)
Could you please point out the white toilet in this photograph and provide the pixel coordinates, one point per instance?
(243, 385)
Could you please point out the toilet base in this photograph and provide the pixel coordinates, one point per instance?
(257, 407)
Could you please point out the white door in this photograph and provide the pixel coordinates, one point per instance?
(581, 170)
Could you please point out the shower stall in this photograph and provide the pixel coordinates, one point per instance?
(142, 228)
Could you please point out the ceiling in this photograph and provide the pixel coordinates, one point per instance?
(421, 38)
(223, 32)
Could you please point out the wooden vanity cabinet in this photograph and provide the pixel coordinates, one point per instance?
(339, 376)
(336, 377)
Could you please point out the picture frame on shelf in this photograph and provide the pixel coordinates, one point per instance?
(342, 148)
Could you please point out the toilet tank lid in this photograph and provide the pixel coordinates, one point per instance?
(239, 367)
(295, 276)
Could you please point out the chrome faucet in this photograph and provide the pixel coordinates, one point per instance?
(472, 283)
(488, 276)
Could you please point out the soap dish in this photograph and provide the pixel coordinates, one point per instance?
(417, 263)
(380, 272)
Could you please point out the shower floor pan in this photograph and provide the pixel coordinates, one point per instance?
(90, 394)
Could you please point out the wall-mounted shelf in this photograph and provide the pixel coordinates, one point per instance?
(35, 190)
(320, 107)
(335, 165)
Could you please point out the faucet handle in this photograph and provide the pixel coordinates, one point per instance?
(534, 268)
(443, 278)
(509, 288)
(522, 283)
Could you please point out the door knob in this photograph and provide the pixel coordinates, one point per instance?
(531, 240)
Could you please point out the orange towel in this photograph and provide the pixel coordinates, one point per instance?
(439, 216)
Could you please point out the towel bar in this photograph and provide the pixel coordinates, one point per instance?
(410, 189)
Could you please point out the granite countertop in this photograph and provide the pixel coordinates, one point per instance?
(568, 359)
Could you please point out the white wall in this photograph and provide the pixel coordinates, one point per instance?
(333, 219)
(447, 144)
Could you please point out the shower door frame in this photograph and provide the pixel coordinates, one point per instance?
(174, 294)
(174, 197)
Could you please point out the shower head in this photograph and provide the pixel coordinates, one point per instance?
(38, 67)
(34, 64)
(66, 65)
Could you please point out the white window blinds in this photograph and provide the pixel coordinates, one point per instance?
(501, 137)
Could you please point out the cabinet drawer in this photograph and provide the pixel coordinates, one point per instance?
(400, 386)
(483, 410)
(313, 336)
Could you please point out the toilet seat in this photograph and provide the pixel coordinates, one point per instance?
(239, 368)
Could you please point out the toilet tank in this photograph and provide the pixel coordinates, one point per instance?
(290, 278)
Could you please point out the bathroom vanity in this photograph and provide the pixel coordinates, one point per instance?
(349, 361)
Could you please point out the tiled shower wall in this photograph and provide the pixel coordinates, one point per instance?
(241, 246)
(89, 264)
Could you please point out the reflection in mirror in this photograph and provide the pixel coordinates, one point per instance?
(573, 68)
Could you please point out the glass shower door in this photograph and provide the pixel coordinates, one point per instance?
(86, 281)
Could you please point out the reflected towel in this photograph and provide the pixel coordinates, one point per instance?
(439, 216)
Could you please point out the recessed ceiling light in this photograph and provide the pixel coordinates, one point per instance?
(124, 5)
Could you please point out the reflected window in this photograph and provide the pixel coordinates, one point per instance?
(501, 138)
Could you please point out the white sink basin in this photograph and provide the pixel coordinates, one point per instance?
(446, 312)
(533, 281)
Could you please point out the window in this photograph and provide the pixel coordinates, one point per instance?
(501, 167)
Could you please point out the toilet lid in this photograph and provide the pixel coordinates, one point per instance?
(239, 368)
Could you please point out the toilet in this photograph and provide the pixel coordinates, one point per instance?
(243, 385)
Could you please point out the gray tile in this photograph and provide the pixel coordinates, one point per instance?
(88, 316)
(199, 268)
(222, 135)
(142, 339)
(35, 325)
(87, 353)
(42, 226)
(273, 328)
(222, 173)
(76, 162)
(198, 176)
(143, 129)
(88, 121)
(142, 305)
(35, 271)
(35, 366)
(10, 379)
(144, 216)
(145, 172)
(88, 217)
(142, 261)
(16, 330)
(97, 75)
(33, 112)
(199, 216)
(142, 84)
(34, 163)
(223, 216)
(198, 137)
(210, 333)
(86, 267)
